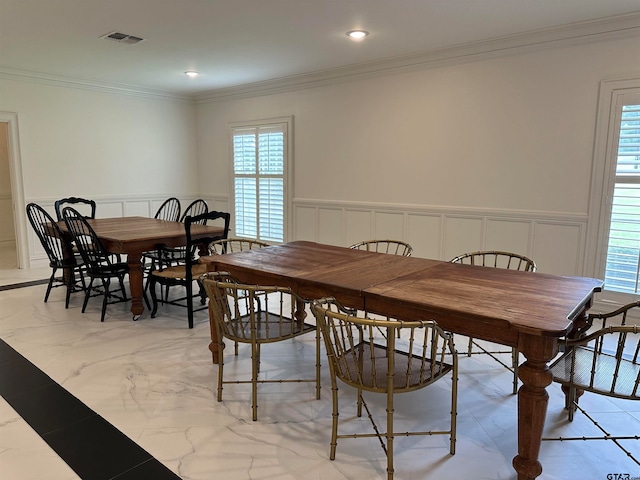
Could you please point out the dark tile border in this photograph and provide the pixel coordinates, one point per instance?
(90, 445)
(12, 286)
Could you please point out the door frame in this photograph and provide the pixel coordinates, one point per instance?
(17, 187)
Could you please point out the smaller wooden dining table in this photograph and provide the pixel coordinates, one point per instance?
(134, 235)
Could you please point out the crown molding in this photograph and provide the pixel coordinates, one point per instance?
(85, 84)
(578, 33)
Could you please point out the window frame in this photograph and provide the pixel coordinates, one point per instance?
(613, 95)
(286, 122)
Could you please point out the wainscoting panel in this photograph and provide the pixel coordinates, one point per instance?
(424, 234)
(330, 226)
(559, 248)
(462, 234)
(360, 226)
(503, 234)
(555, 241)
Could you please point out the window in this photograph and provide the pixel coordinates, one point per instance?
(622, 272)
(260, 172)
(613, 243)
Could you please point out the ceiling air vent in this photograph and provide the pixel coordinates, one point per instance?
(122, 38)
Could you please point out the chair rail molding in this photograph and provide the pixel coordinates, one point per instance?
(555, 240)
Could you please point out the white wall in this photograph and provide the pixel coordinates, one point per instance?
(127, 152)
(489, 154)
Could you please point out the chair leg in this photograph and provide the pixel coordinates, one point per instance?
(334, 420)
(154, 298)
(106, 285)
(220, 368)
(515, 357)
(318, 371)
(50, 285)
(389, 434)
(87, 294)
(254, 379)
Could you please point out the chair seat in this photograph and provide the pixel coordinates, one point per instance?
(180, 271)
(409, 372)
(625, 385)
(113, 270)
(269, 327)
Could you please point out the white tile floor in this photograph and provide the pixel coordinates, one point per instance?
(154, 380)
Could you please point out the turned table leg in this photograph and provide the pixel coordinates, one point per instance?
(136, 285)
(532, 402)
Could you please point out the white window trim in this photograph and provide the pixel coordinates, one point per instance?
(289, 165)
(603, 177)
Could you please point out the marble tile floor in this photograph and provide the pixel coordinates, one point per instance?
(153, 380)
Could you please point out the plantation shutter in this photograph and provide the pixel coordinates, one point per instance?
(623, 253)
(259, 161)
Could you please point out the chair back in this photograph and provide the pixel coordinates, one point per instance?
(169, 210)
(87, 207)
(393, 247)
(497, 259)
(366, 353)
(195, 209)
(251, 313)
(94, 255)
(606, 360)
(194, 245)
(51, 237)
(232, 245)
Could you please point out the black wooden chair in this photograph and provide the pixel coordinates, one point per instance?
(82, 205)
(169, 211)
(194, 209)
(59, 250)
(98, 262)
(187, 271)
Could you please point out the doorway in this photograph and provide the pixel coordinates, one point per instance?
(8, 252)
(13, 223)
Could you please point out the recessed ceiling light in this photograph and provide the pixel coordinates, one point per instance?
(191, 74)
(357, 34)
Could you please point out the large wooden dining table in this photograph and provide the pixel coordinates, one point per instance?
(134, 235)
(529, 310)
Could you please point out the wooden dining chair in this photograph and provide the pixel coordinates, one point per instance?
(59, 251)
(365, 353)
(497, 259)
(255, 315)
(186, 272)
(194, 209)
(83, 205)
(169, 210)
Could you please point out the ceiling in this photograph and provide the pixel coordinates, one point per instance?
(240, 42)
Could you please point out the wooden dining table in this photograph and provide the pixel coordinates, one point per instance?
(134, 235)
(529, 310)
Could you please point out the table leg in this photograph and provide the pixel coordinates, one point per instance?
(136, 283)
(532, 402)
